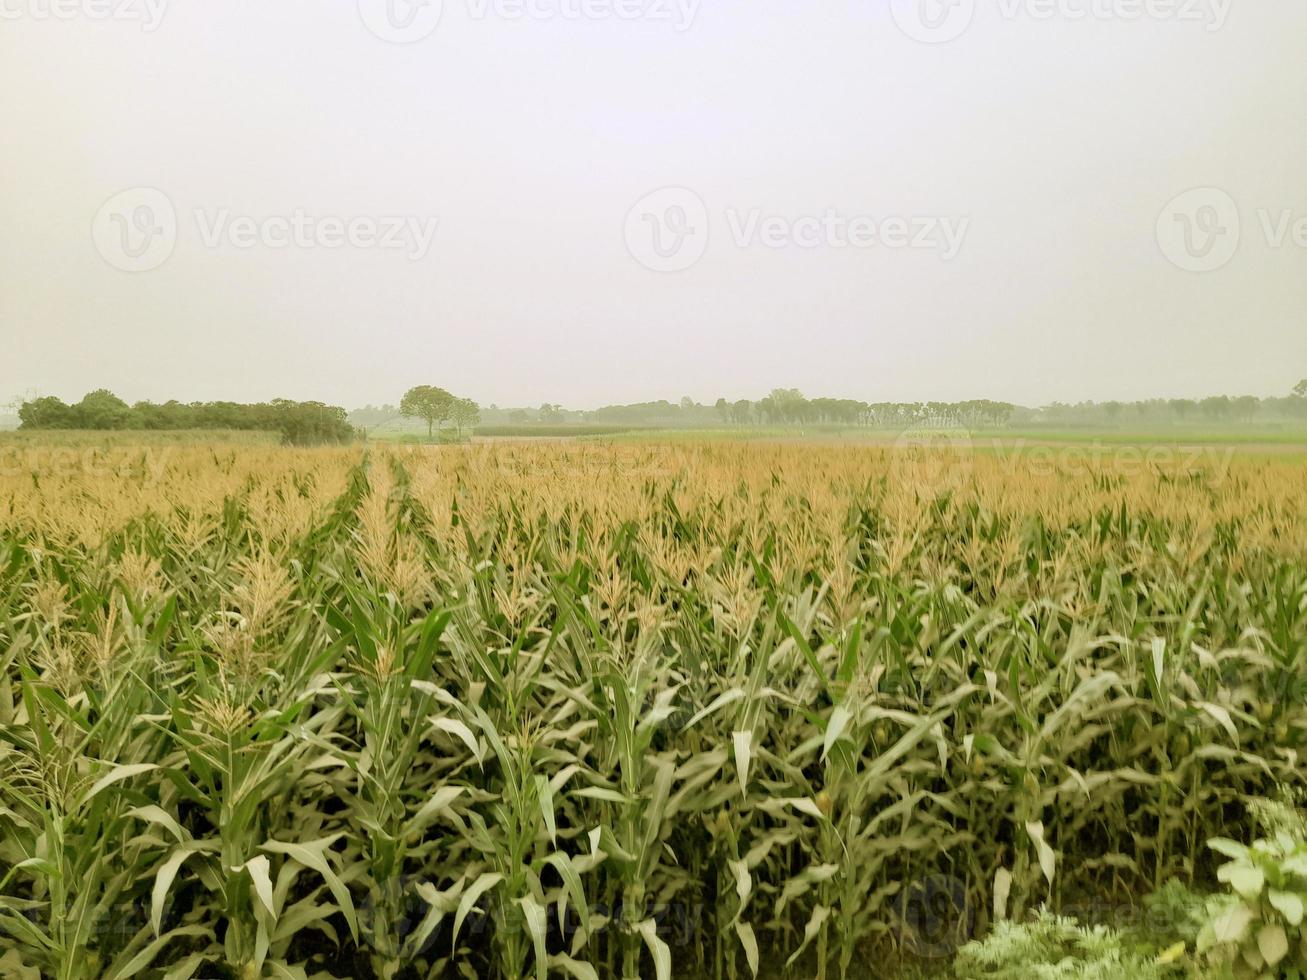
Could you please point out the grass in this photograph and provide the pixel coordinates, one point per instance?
(99, 438)
(1264, 434)
(547, 431)
(622, 708)
(1251, 437)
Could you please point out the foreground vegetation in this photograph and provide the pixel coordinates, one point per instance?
(642, 710)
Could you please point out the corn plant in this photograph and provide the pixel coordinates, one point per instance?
(516, 710)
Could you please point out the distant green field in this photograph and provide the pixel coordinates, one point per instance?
(1277, 438)
(1170, 435)
(93, 438)
(546, 431)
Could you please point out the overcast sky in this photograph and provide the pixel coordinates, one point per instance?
(594, 201)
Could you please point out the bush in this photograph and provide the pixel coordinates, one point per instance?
(1053, 948)
(299, 423)
(1258, 931)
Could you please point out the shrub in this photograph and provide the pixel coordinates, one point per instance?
(1053, 948)
(1258, 930)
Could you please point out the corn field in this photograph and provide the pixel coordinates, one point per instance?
(577, 710)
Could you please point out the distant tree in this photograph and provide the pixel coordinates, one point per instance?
(465, 414)
(784, 405)
(301, 423)
(723, 408)
(1245, 407)
(308, 423)
(1113, 410)
(517, 416)
(661, 412)
(999, 413)
(102, 409)
(551, 413)
(1295, 406)
(1182, 407)
(432, 405)
(371, 416)
(1300, 389)
(1217, 407)
(45, 413)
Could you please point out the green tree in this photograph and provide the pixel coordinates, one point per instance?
(1217, 407)
(45, 413)
(102, 409)
(465, 414)
(1300, 389)
(787, 405)
(433, 405)
(1245, 407)
(310, 423)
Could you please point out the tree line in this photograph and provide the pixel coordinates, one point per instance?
(299, 423)
(315, 422)
(787, 406)
(782, 406)
(1214, 409)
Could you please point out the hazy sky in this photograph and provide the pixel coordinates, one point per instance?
(868, 198)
